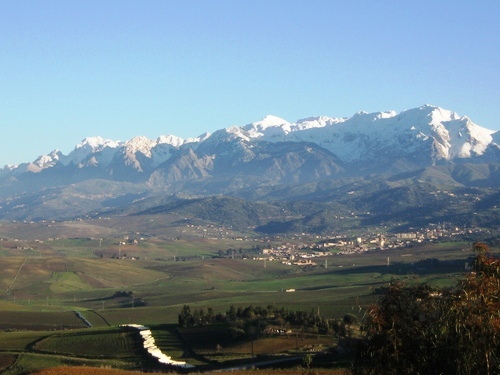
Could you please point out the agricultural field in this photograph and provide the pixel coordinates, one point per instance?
(63, 299)
(103, 343)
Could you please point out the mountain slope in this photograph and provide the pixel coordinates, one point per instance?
(384, 163)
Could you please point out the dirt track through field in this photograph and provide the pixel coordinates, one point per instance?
(100, 316)
(17, 274)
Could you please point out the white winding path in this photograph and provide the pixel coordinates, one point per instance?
(150, 346)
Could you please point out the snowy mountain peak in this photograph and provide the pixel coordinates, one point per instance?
(427, 107)
(140, 144)
(45, 161)
(97, 143)
(440, 115)
(424, 113)
(170, 139)
(88, 147)
(270, 121)
(92, 142)
(270, 126)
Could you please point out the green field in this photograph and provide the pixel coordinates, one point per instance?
(102, 343)
(45, 283)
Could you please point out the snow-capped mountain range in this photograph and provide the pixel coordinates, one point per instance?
(419, 137)
(444, 133)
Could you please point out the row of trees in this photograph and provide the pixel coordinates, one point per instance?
(423, 330)
(254, 321)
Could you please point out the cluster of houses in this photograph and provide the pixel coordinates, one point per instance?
(303, 254)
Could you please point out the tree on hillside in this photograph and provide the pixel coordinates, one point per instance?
(185, 317)
(424, 330)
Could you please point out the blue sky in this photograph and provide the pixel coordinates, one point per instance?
(119, 69)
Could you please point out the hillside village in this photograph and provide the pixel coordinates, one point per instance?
(302, 248)
(303, 254)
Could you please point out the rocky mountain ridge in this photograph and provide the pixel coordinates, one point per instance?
(437, 133)
(365, 161)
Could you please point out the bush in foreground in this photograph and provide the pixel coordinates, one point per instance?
(422, 330)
